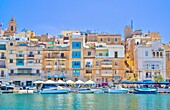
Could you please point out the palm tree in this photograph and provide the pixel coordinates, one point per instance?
(158, 78)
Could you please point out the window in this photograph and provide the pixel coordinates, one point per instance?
(146, 53)
(101, 39)
(97, 71)
(21, 44)
(76, 72)
(116, 39)
(154, 54)
(37, 71)
(116, 54)
(97, 63)
(76, 45)
(10, 52)
(20, 62)
(62, 55)
(11, 71)
(100, 54)
(38, 61)
(108, 39)
(2, 73)
(106, 80)
(12, 28)
(20, 54)
(153, 66)
(102, 79)
(11, 60)
(161, 54)
(148, 75)
(56, 63)
(38, 52)
(48, 55)
(89, 53)
(76, 54)
(2, 47)
(116, 63)
(76, 64)
(76, 79)
(116, 71)
(137, 43)
(11, 44)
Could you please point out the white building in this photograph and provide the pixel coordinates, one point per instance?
(150, 60)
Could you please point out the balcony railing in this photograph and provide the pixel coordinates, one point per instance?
(62, 57)
(102, 56)
(49, 57)
(2, 66)
(88, 66)
(2, 57)
(30, 55)
(27, 74)
(19, 55)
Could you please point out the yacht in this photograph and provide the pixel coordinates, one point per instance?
(53, 89)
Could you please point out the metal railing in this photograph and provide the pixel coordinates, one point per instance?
(30, 55)
(28, 74)
(2, 57)
(19, 55)
(2, 66)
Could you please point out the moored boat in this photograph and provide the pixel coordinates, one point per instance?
(50, 87)
(118, 90)
(7, 88)
(97, 91)
(85, 91)
(145, 91)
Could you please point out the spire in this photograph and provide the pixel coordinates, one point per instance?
(132, 24)
(12, 18)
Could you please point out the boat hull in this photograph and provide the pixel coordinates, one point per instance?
(85, 92)
(145, 92)
(118, 91)
(98, 92)
(54, 91)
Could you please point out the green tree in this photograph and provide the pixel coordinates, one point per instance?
(158, 78)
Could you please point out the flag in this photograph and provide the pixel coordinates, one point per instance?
(1, 24)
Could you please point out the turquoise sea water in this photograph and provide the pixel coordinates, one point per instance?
(84, 102)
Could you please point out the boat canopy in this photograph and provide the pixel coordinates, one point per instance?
(61, 82)
(79, 82)
(69, 82)
(49, 82)
(89, 82)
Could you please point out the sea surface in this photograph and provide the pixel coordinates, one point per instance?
(74, 101)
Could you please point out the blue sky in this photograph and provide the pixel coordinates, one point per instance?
(111, 16)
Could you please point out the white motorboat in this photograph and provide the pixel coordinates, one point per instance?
(53, 89)
(85, 90)
(118, 90)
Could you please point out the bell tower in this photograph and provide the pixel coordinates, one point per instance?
(12, 26)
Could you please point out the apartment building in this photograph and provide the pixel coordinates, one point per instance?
(3, 56)
(55, 63)
(24, 62)
(150, 60)
(109, 64)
